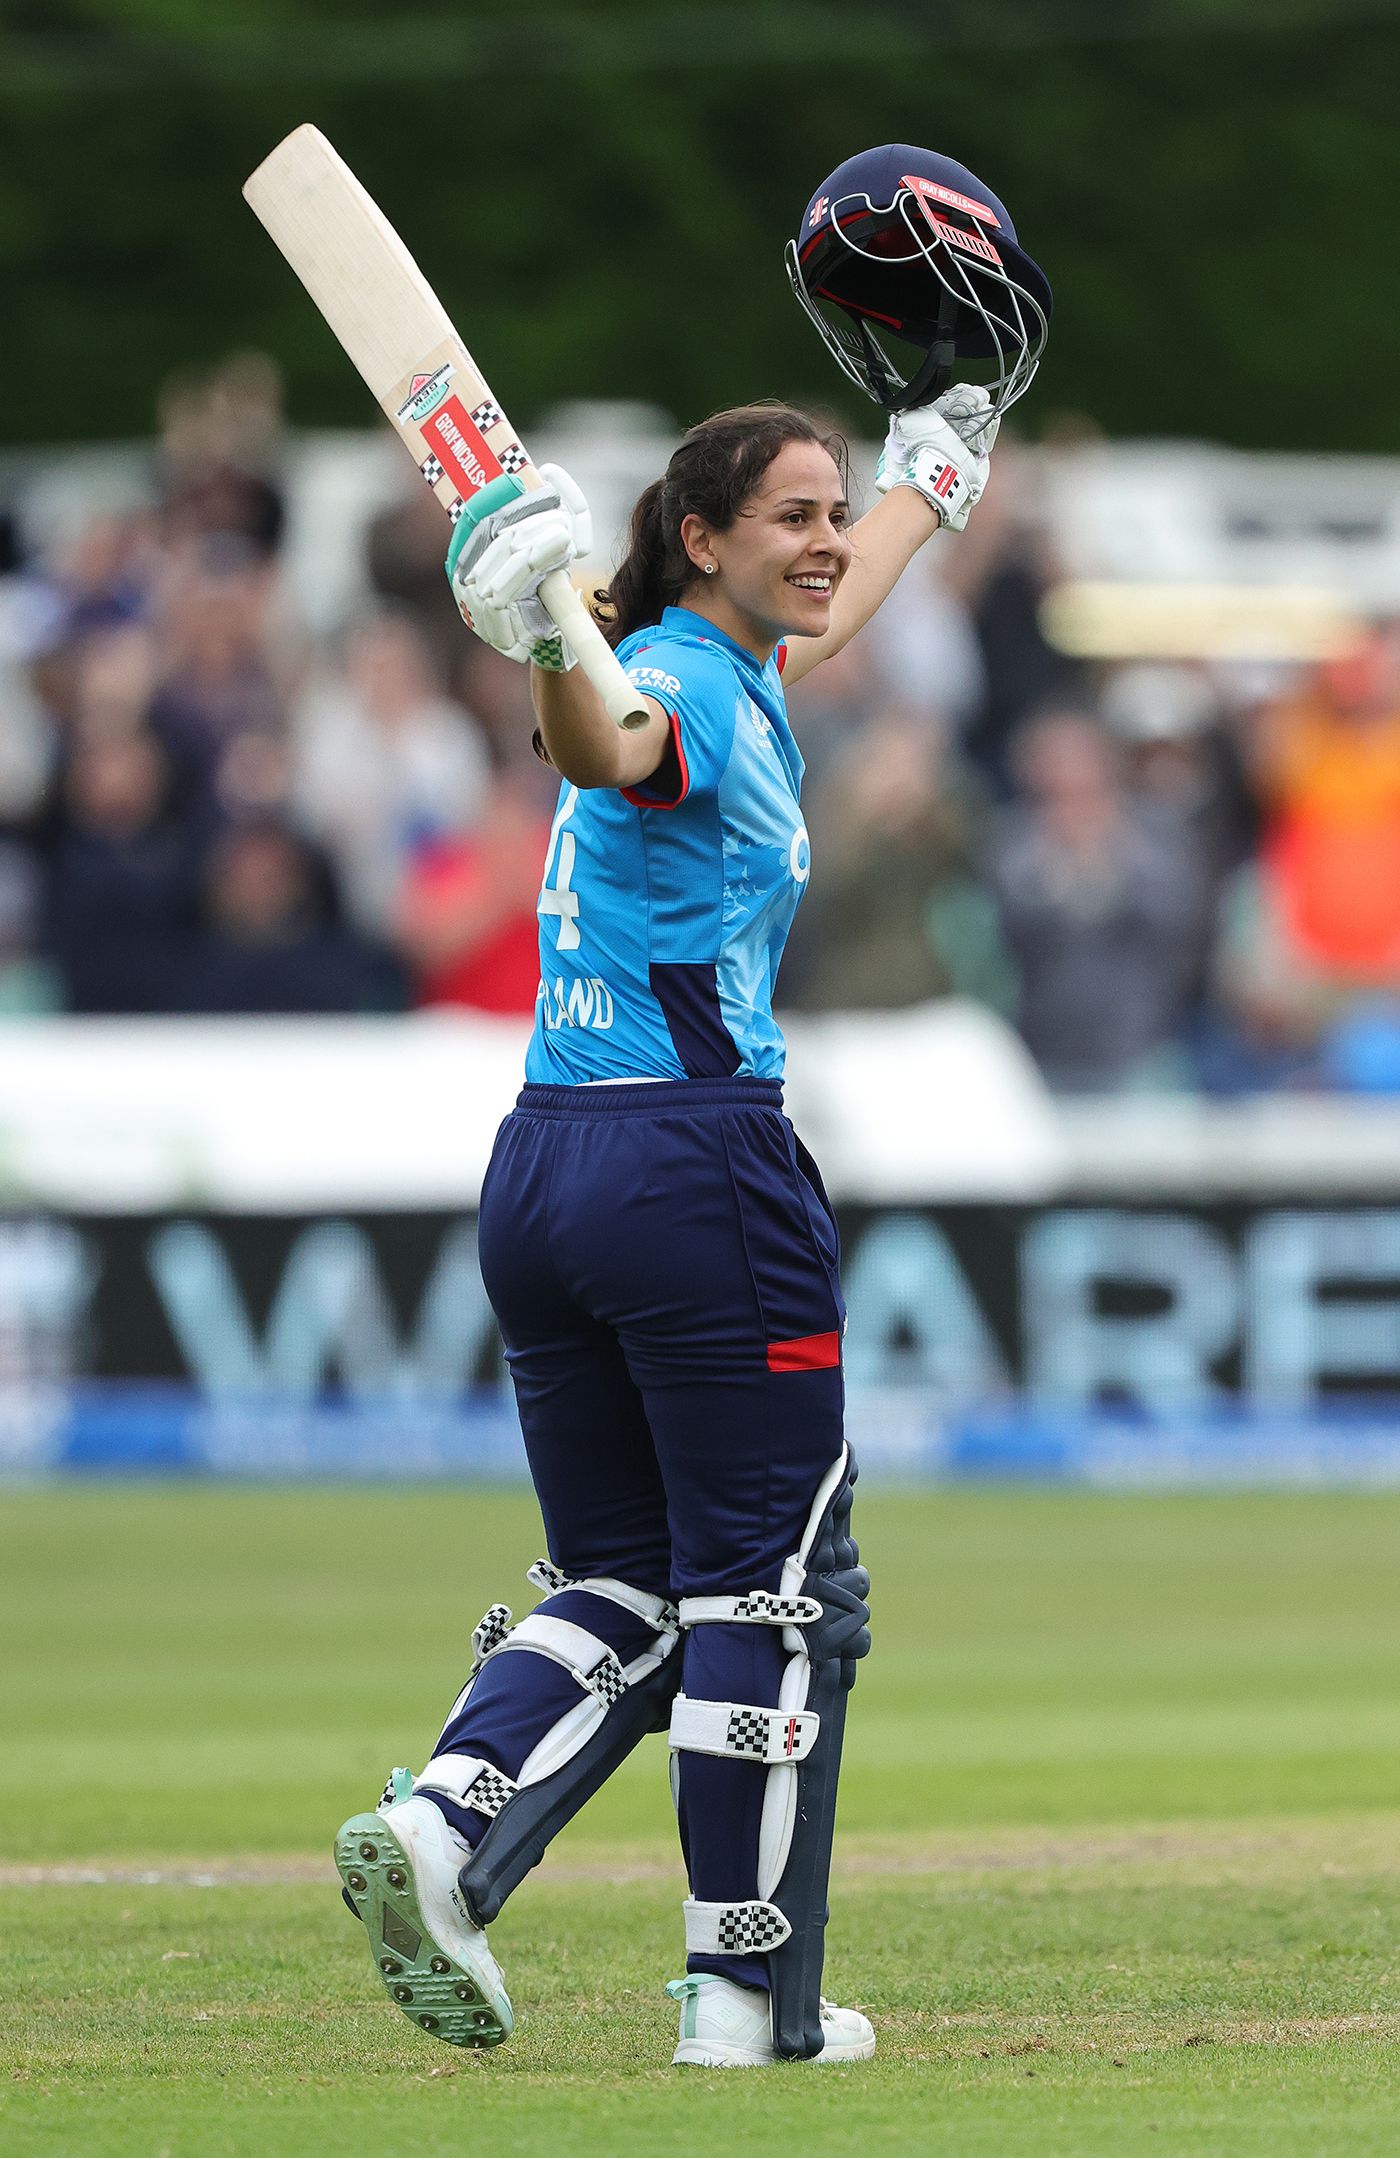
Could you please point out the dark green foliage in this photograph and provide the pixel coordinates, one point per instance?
(601, 195)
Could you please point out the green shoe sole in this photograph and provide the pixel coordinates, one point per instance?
(433, 1989)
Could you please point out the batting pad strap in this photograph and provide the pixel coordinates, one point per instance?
(657, 1612)
(732, 1929)
(468, 1781)
(758, 1608)
(591, 1661)
(489, 1634)
(740, 1733)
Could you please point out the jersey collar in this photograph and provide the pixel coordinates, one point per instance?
(681, 622)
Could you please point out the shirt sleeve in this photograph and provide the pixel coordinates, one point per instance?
(696, 690)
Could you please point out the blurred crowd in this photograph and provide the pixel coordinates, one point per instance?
(205, 810)
(1167, 877)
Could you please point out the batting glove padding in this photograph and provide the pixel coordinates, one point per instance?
(501, 554)
(943, 451)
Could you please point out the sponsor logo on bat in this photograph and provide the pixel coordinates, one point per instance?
(457, 445)
(425, 394)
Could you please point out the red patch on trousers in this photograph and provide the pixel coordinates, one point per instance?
(814, 1352)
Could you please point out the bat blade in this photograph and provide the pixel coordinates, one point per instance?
(393, 326)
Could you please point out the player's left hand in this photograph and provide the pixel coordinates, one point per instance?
(943, 451)
(498, 561)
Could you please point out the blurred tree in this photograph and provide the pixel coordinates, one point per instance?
(601, 192)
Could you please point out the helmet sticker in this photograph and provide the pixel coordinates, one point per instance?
(950, 196)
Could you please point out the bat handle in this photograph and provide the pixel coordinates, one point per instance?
(565, 608)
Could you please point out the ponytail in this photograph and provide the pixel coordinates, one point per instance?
(649, 578)
(714, 474)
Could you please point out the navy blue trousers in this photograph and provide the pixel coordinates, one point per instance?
(663, 1262)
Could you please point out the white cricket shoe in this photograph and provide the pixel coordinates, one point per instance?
(728, 2026)
(400, 1868)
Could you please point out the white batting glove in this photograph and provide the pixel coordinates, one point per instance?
(943, 451)
(499, 561)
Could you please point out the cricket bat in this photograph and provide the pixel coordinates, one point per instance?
(396, 330)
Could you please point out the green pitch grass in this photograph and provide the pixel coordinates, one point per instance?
(1121, 1839)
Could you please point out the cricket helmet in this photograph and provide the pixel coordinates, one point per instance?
(904, 242)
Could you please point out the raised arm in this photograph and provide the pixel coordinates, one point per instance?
(587, 747)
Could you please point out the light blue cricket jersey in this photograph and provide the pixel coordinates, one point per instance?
(662, 922)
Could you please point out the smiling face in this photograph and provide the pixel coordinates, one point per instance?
(777, 567)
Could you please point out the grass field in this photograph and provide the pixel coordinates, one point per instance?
(1120, 1847)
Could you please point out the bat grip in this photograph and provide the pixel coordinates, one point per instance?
(624, 705)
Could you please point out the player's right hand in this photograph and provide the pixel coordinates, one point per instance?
(500, 556)
(942, 450)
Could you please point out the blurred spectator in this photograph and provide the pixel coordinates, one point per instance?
(227, 415)
(31, 615)
(1183, 764)
(404, 552)
(894, 914)
(272, 938)
(103, 571)
(1329, 768)
(219, 435)
(1315, 921)
(124, 850)
(217, 501)
(1097, 909)
(466, 923)
(28, 984)
(829, 708)
(217, 676)
(497, 692)
(1000, 571)
(1183, 772)
(929, 651)
(385, 764)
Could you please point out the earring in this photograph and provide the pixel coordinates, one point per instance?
(710, 569)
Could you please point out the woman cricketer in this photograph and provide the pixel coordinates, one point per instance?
(655, 1239)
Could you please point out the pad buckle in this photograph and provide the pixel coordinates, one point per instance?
(739, 1731)
(733, 1929)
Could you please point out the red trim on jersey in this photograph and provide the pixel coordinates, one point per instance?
(652, 801)
(781, 655)
(814, 1352)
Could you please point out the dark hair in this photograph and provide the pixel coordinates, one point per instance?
(716, 471)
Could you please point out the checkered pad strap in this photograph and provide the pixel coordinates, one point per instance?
(739, 1733)
(488, 1636)
(544, 1574)
(758, 1608)
(657, 1612)
(468, 1781)
(591, 1661)
(733, 1929)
